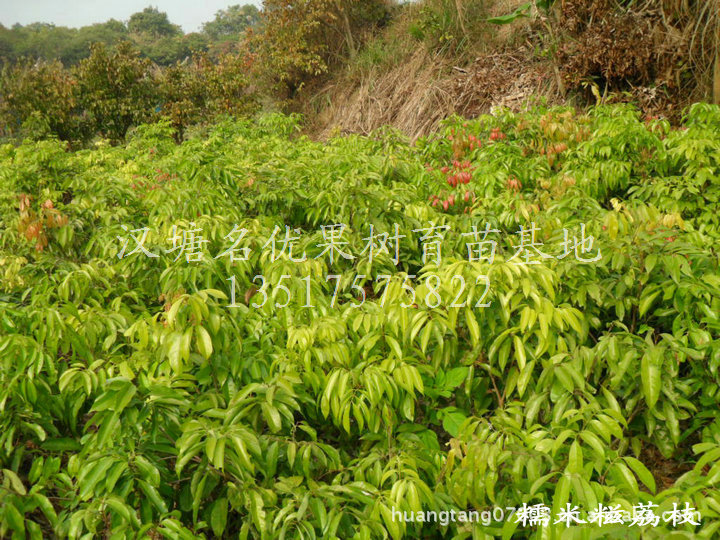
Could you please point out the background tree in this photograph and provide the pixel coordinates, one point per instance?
(158, 39)
(150, 31)
(49, 42)
(109, 33)
(8, 43)
(116, 89)
(229, 23)
(152, 22)
(301, 39)
(204, 87)
(41, 90)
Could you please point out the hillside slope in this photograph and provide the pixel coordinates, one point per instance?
(436, 60)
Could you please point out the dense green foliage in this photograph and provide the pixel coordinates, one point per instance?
(134, 402)
(50, 42)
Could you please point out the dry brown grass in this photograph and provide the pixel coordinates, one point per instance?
(669, 44)
(417, 92)
(417, 96)
(417, 89)
(411, 98)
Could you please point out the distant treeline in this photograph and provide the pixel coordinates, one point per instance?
(101, 80)
(149, 30)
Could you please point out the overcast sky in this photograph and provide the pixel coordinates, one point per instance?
(190, 14)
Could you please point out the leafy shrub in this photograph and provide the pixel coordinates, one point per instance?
(116, 89)
(42, 90)
(300, 40)
(205, 88)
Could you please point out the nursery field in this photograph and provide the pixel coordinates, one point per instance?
(507, 329)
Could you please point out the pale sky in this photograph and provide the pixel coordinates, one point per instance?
(189, 14)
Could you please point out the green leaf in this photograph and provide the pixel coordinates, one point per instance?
(452, 419)
(272, 417)
(15, 481)
(123, 397)
(641, 471)
(525, 377)
(61, 445)
(153, 496)
(627, 477)
(511, 17)
(149, 472)
(97, 472)
(594, 441)
(646, 302)
(173, 347)
(47, 508)
(562, 494)
(519, 352)
(650, 375)
(575, 459)
(394, 345)
(455, 377)
(122, 509)
(218, 516)
(473, 326)
(14, 518)
(392, 526)
(204, 342)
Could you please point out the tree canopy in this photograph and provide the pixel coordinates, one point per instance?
(231, 22)
(153, 22)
